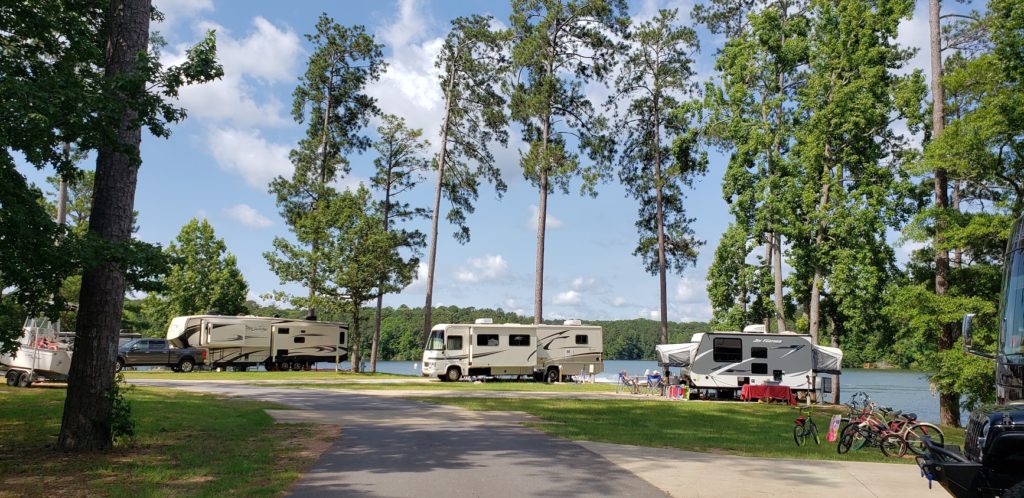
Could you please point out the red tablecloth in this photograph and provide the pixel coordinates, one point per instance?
(750, 392)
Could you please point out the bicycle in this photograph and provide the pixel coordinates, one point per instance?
(907, 425)
(872, 429)
(805, 428)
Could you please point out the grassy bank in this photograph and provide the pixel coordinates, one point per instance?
(166, 374)
(186, 445)
(749, 429)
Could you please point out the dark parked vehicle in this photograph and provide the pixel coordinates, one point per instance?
(156, 352)
(992, 462)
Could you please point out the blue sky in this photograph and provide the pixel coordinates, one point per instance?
(218, 162)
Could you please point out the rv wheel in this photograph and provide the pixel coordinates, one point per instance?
(552, 375)
(24, 379)
(186, 365)
(12, 378)
(454, 374)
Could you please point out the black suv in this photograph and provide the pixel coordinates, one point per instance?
(992, 463)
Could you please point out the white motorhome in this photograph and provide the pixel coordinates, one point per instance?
(275, 343)
(485, 348)
(728, 360)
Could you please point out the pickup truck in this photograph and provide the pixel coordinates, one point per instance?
(156, 352)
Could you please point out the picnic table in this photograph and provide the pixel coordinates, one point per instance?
(751, 392)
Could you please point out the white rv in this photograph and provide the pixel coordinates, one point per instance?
(728, 360)
(275, 343)
(489, 349)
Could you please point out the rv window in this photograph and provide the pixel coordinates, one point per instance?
(582, 339)
(759, 368)
(728, 349)
(436, 341)
(487, 340)
(758, 352)
(300, 340)
(282, 330)
(341, 337)
(519, 340)
(455, 342)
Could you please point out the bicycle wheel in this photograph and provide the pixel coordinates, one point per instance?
(814, 432)
(798, 435)
(893, 445)
(924, 429)
(846, 438)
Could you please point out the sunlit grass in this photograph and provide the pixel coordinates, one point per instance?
(465, 386)
(186, 445)
(248, 376)
(749, 429)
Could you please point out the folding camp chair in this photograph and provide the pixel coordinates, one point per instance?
(627, 383)
(655, 384)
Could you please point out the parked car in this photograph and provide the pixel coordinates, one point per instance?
(157, 352)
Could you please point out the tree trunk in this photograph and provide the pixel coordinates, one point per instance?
(949, 402)
(814, 316)
(62, 192)
(86, 423)
(660, 214)
(356, 339)
(958, 255)
(441, 158)
(542, 218)
(780, 310)
(768, 265)
(375, 341)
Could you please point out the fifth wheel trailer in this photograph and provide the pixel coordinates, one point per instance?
(491, 349)
(275, 343)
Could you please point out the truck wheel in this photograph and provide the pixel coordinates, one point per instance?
(186, 365)
(24, 379)
(119, 365)
(552, 375)
(1015, 491)
(454, 374)
(12, 378)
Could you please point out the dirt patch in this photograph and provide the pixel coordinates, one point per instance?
(309, 442)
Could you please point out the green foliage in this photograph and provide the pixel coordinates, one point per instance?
(122, 425)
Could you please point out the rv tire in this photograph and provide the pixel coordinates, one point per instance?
(552, 375)
(186, 365)
(453, 374)
(12, 378)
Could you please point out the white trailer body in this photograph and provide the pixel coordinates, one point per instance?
(487, 349)
(728, 360)
(44, 352)
(243, 341)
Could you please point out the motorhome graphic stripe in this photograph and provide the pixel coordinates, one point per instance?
(794, 349)
(729, 367)
(480, 355)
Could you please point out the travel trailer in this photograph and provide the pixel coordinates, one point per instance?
(245, 341)
(44, 353)
(485, 348)
(727, 360)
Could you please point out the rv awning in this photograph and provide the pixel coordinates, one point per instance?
(676, 355)
(827, 359)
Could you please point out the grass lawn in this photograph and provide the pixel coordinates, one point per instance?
(750, 429)
(185, 445)
(166, 374)
(464, 386)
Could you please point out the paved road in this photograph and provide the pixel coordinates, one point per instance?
(397, 447)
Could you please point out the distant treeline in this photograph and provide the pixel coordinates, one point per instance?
(402, 335)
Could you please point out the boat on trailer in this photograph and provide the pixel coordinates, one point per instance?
(43, 353)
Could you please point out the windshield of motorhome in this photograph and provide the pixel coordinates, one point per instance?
(436, 341)
(1011, 334)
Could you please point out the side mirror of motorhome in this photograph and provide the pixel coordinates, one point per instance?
(965, 330)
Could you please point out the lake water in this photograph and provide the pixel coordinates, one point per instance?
(905, 390)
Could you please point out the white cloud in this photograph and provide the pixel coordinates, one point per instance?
(177, 10)
(568, 297)
(421, 278)
(691, 291)
(265, 56)
(488, 267)
(619, 301)
(409, 87)
(583, 283)
(248, 216)
(551, 223)
(249, 154)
